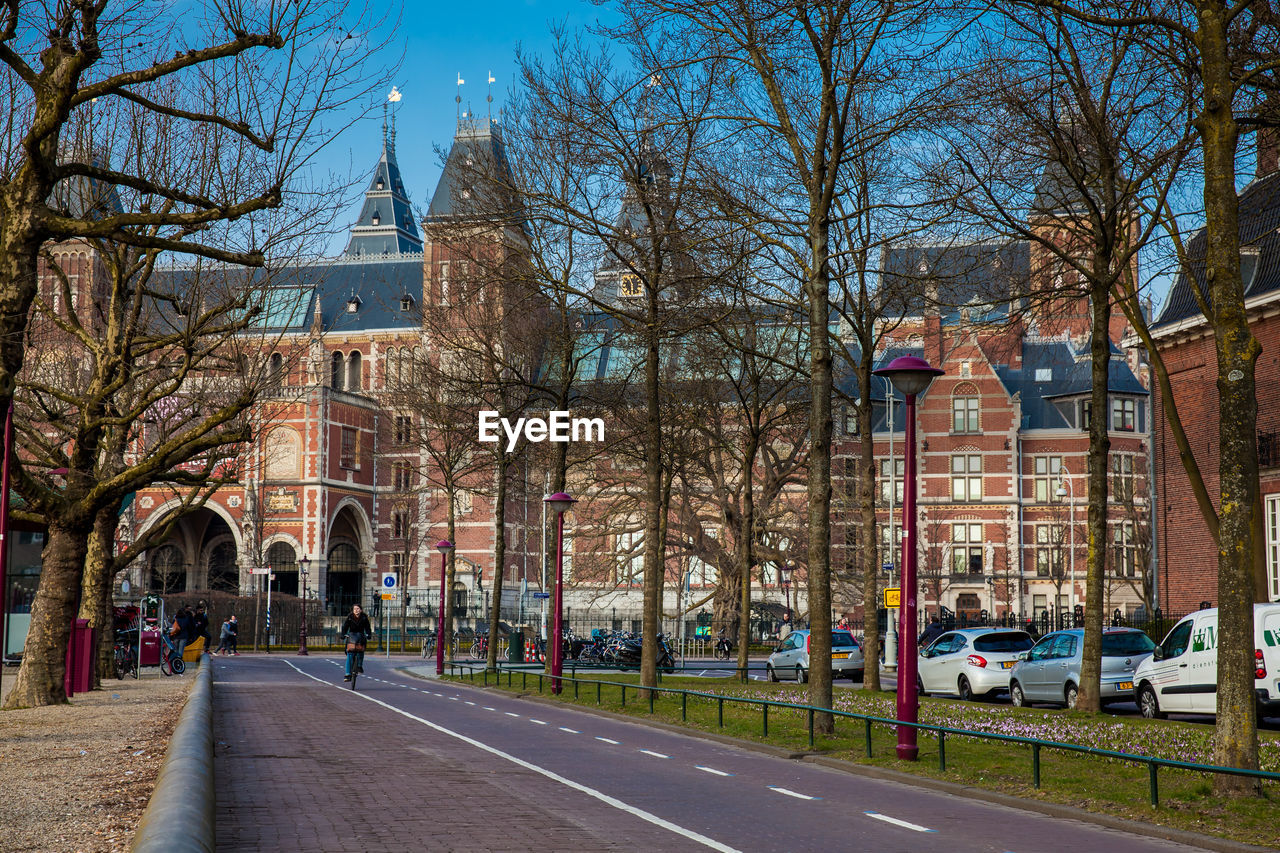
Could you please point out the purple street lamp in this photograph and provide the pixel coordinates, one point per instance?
(304, 565)
(911, 376)
(559, 503)
(444, 546)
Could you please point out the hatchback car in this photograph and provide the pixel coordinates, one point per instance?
(791, 658)
(1050, 672)
(971, 661)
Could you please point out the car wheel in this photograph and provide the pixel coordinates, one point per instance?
(858, 675)
(966, 692)
(1148, 704)
(801, 675)
(773, 676)
(1073, 695)
(1016, 695)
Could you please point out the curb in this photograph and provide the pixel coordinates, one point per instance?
(1057, 810)
(180, 816)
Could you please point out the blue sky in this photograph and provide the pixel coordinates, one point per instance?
(441, 41)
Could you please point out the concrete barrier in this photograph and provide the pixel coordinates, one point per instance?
(180, 816)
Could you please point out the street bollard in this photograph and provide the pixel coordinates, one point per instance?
(764, 721)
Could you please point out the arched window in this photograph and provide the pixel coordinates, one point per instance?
(345, 583)
(392, 367)
(283, 561)
(168, 573)
(965, 408)
(224, 574)
(337, 372)
(281, 452)
(353, 372)
(275, 371)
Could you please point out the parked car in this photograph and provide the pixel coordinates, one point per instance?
(1050, 672)
(791, 658)
(971, 661)
(1181, 676)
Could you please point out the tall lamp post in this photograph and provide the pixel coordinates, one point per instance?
(911, 376)
(444, 546)
(304, 566)
(1066, 490)
(784, 573)
(559, 503)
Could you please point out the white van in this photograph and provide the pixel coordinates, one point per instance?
(1182, 675)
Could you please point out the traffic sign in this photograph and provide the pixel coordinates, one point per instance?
(388, 596)
(388, 580)
(893, 596)
(886, 567)
(265, 570)
(542, 595)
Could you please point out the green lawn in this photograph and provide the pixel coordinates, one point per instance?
(1093, 783)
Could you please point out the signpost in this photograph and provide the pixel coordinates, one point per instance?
(892, 597)
(389, 582)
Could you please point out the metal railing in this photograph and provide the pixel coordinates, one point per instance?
(1152, 762)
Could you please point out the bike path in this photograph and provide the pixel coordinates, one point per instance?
(453, 767)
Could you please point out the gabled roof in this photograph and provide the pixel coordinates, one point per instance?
(1050, 370)
(385, 226)
(1260, 262)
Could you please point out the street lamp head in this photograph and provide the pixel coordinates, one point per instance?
(304, 564)
(444, 546)
(1060, 492)
(910, 374)
(559, 502)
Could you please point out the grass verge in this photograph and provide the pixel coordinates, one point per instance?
(1092, 783)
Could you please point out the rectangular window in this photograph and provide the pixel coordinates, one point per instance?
(1124, 414)
(1039, 604)
(966, 548)
(630, 551)
(964, 414)
(399, 524)
(401, 476)
(966, 477)
(1273, 546)
(350, 454)
(1124, 554)
(892, 472)
(404, 429)
(1049, 553)
(1047, 471)
(1086, 415)
(889, 553)
(398, 563)
(1122, 477)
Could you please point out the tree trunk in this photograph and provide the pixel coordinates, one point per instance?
(499, 556)
(40, 678)
(1089, 697)
(654, 552)
(1236, 735)
(95, 598)
(746, 549)
(867, 507)
(819, 568)
(449, 579)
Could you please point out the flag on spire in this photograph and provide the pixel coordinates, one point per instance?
(395, 95)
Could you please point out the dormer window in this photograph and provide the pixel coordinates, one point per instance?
(376, 218)
(353, 305)
(406, 303)
(380, 183)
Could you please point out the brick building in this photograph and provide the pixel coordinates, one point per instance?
(1189, 557)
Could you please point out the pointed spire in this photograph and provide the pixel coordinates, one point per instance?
(385, 226)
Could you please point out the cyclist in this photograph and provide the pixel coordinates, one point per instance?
(357, 630)
(723, 644)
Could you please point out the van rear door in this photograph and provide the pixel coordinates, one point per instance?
(1268, 628)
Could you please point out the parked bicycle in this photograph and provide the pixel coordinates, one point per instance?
(171, 663)
(125, 652)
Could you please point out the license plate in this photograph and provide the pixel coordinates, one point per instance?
(1124, 685)
(835, 656)
(1006, 664)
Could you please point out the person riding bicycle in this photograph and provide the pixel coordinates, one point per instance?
(357, 630)
(723, 643)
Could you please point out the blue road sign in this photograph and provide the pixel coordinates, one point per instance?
(542, 595)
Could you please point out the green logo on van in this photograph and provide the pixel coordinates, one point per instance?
(1204, 639)
(1271, 638)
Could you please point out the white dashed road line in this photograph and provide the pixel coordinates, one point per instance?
(487, 708)
(570, 731)
(790, 793)
(509, 714)
(536, 722)
(902, 823)
(608, 740)
(712, 770)
(654, 754)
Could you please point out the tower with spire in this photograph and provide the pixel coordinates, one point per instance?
(385, 226)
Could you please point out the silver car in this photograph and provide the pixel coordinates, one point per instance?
(971, 662)
(1050, 672)
(791, 658)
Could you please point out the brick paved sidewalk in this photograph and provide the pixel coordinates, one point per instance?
(303, 766)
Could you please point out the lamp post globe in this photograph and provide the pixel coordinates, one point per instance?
(559, 503)
(911, 376)
(304, 566)
(445, 547)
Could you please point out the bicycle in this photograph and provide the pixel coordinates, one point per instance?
(480, 648)
(125, 655)
(723, 648)
(171, 663)
(355, 657)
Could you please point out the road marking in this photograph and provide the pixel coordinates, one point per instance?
(469, 702)
(795, 794)
(509, 714)
(570, 731)
(536, 722)
(712, 770)
(609, 740)
(453, 698)
(520, 762)
(654, 754)
(487, 708)
(902, 823)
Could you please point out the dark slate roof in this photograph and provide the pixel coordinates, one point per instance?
(1056, 193)
(1050, 370)
(379, 285)
(475, 174)
(1259, 231)
(976, 276)
(81, 197)
(385, 226)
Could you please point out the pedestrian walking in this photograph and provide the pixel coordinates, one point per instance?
(180, 631)
(227, 637)
(200, 619)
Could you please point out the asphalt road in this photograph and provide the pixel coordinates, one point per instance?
(303, 763)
